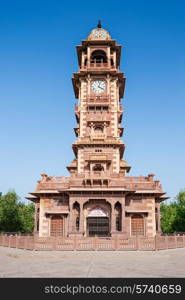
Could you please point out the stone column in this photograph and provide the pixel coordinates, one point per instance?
(113, 219)
(81, 229)
(158, 218)
(88, 84)
(35, 219)
(82, 64)
(114, 59)
(108, 86)
(123, 218)
(70, 221)
(88, 57)
(108, 56)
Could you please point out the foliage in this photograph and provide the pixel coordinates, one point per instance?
(179, 222)
(15, 216)
(173, 215)
(26, 216)
(168, 215)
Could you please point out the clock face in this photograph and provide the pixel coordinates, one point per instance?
(98, 86)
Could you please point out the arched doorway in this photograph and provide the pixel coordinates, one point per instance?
(98, 222)
(137, 225)
(56, 226)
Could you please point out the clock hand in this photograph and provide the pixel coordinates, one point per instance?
(99, 86)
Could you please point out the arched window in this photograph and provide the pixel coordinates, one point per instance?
(98, 56)
(118, 216)
(76, 216)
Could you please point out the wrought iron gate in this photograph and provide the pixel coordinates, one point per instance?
(98, 226)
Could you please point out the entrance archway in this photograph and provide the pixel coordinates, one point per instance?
(98, 222)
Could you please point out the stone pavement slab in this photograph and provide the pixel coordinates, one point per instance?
(25, 263)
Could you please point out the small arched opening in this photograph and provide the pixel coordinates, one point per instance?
(76, 214)
(98, 129)
(118, 216)
(98, 56)
(98, 167)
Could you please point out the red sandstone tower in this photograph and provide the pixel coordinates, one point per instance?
(98, 198)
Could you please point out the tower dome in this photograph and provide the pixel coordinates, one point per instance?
(99, 34)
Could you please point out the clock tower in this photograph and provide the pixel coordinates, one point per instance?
(99, 86)
(98, 198)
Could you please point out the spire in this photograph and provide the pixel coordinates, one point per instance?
(99, 24)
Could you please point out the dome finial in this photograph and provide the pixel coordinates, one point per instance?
(99, 24)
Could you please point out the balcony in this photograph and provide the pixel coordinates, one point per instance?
(98, 99)
(98, 178)
(98, 65)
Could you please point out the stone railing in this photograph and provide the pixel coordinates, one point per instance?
(98, 99)
(20, 241)
(159, 242)
(52, 186)
(98, 136)
(97, 65)
(52, 182)
(115, 180)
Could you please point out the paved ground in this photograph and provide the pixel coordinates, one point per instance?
(25, 263)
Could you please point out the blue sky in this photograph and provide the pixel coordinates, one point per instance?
(37, 59)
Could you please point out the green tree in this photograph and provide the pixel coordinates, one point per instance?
(173, 214)
(15, 216)
(9, 215)
(26, 216)
(168, 216)
(179, 222)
